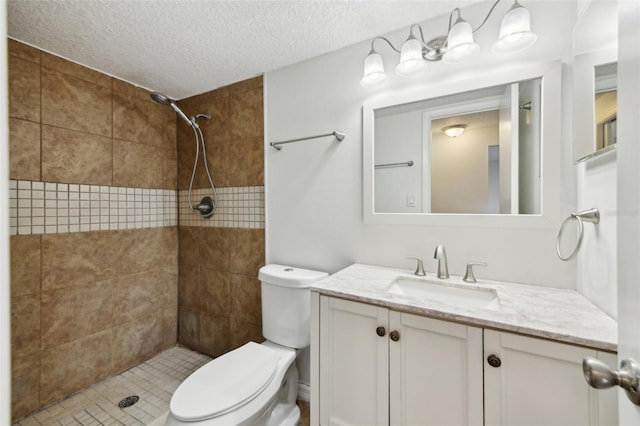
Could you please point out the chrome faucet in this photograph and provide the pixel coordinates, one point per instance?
(441, 256)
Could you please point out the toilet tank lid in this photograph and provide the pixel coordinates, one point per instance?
(289, 276)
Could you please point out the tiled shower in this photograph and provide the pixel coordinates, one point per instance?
(106, 269)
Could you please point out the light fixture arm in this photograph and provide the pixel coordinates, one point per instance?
(486, 18)
(385, 39)
(422, 40)
(451, 16)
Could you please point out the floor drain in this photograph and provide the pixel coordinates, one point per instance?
(128, 401)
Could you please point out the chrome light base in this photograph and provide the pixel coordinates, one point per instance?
(435, 49)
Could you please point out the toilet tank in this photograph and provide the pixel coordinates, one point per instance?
(286, 304)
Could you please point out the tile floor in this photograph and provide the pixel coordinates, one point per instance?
(154, 381)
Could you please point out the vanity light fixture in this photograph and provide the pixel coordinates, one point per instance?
(455, 130)
(458, 46)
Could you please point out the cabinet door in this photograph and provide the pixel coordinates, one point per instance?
(354, 372)
(435, 371)
(540, 382)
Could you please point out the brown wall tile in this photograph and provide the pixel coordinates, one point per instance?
(139, 250)
(136, 297)
(214, 248)
(56, 63)
(25, 384)
(91, 357)
(246, 299)
(24, 89)
(137, 165)
(247, 251)
(68, 282)
(76, 259)
(75, 312)
(217, 106)
(170, 169)
(24, 150)
(215, 336)
(246, 115)
(188, 328)
(23, 51)
(25, 323)
(188, 252)
(214, 292)
(75, 157)
(136, 341)
(244, 332)
(189, 288)
(169, 243)
(26, 261)
(246, 85)
(75, 104)
(170, 329)
(136, 117)
(170, 129)
(218, 162)
(246, 162)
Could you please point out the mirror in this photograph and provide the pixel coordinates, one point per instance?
(485, 151)
(476, 152)
(595, 80)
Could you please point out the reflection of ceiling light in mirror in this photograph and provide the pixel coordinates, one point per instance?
(455, 130)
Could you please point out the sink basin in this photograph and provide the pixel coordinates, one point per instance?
(448, 293)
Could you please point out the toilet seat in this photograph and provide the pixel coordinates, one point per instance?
(225, 383)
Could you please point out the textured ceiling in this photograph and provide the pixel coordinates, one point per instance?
(186, 47)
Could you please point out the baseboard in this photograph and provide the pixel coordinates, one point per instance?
(304, 391)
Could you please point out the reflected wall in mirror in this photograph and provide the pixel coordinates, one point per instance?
(477, 152)
(595, 80)
(606, 105)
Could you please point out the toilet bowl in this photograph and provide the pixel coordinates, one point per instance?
(255, 384)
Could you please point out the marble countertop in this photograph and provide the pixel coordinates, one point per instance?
(557, 314)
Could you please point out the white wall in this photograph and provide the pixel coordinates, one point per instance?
(596, 261)
(460, 170)
(314, 188)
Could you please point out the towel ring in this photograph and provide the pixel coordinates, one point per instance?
(591, 216)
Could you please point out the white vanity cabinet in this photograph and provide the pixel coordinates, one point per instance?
(540, 382)
(375, 366)
(380, 367)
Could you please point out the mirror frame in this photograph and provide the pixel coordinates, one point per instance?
(551, 74)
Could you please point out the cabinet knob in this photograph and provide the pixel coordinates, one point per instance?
(494, 361)
(394, 335)
(380, 331)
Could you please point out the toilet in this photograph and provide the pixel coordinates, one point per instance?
(255, 384)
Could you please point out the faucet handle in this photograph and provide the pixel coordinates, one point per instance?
(468, 276)
(420, 267)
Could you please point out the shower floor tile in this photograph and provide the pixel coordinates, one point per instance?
(154, 381)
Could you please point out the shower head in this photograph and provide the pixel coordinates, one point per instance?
(160, 98)
(165, 100)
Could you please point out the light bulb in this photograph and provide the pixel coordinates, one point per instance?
(373, 70)
(460, 44)
(411, 60)
(455, 130)
(515, 31)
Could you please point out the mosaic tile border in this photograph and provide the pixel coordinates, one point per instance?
(57, 208)
(238, 207)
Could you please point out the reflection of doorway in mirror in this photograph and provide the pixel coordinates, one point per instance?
(494, 179)
(460, 165)
(606, 104)
(606, 118)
